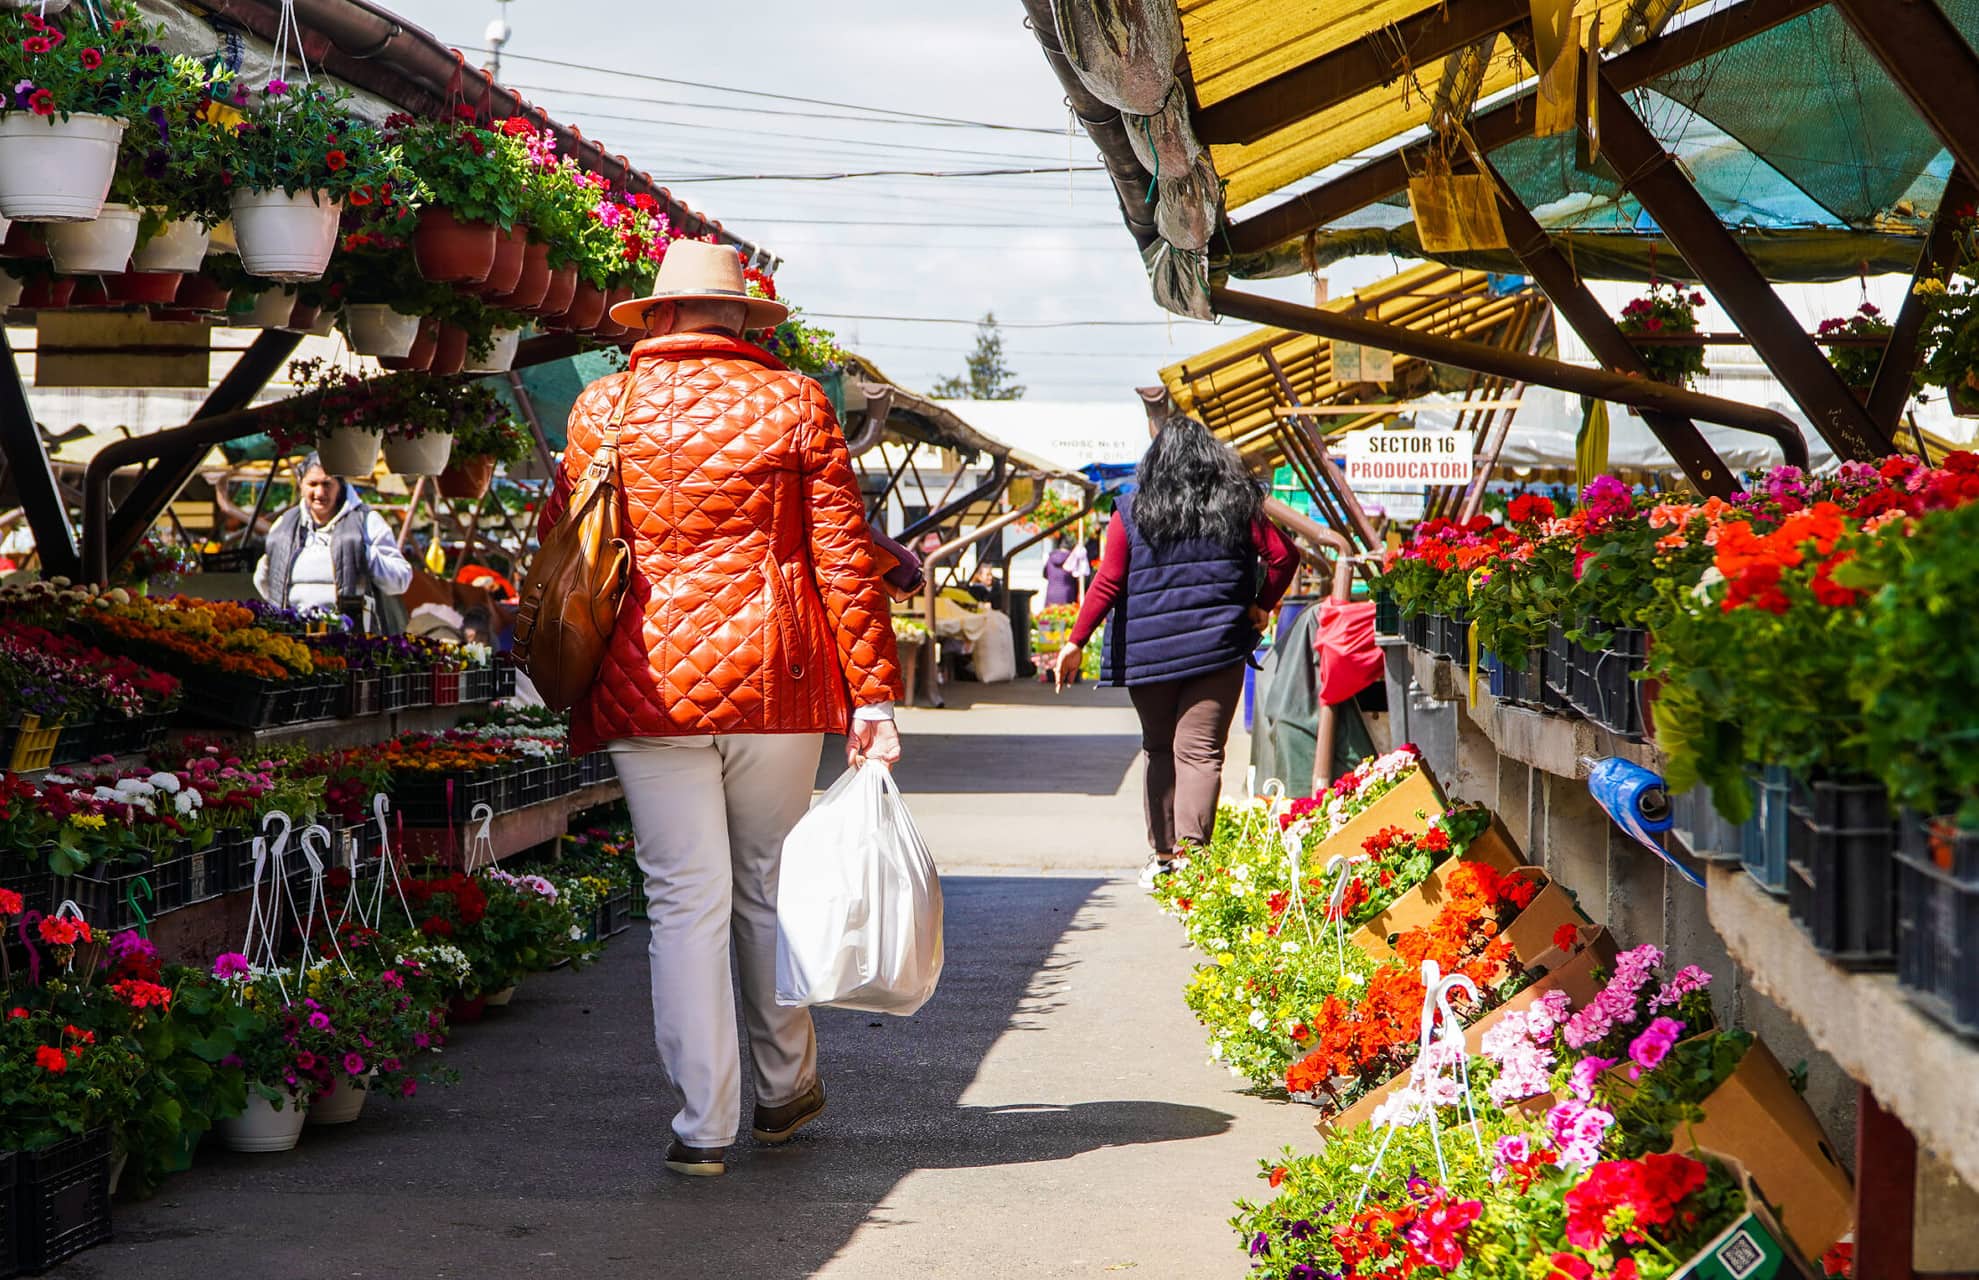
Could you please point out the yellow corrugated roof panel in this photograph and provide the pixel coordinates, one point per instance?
(1233, 390)
(1235, 45)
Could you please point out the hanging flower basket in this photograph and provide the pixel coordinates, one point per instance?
(562, 291)
(202, 293)
(54, 169)
(466, 477)
(587, 307)
(180, 246)
(422, 455)
(450, 350)
(283, 236)
(271, 310)
(449, 251)
(420, 355)
(608, 327)
(507, 269)
(531, 282)
(349, 451)
(11, 289)
(303, 316)
(101, 246)
(261, 1128)
(342, 1105)
(50, 293)
(1965, 396)
(144, 288)
(501, 355)
(377, 330)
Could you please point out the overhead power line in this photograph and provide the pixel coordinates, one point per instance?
(915, 116)
(882, 173)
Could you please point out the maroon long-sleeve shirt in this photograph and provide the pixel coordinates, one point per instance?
(1279, 558)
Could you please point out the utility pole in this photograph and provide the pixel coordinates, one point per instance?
(497, 35)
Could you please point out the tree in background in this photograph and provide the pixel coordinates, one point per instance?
(989, 378)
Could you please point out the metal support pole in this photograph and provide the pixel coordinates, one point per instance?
(893, 480)
(1651, 175)
(1899, 364)
(528, 404)
(1637, 393)
(1563, 286)
(999, 477)
(1885, 1192)
(932, 679)
(34, 477)
(1329, 470)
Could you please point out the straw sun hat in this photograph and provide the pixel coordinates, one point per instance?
(699, 272)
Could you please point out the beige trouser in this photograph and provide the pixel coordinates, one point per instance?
(709, 817)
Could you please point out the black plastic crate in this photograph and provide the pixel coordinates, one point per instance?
(532, 783)
(237, 860)
(427, 800)
(110, 898)
(1615, 690)
(1497, 678)
(230, 560)
(360, 696)
(1387, 615)
(206, 872)
(31, 881)
(505, 678)
(477, 684)
(1842, 886)
(241, 702)
(62, 1199)
(618, 911)
(1763, 841)
(322, 702)
(171, 885)
(10, 1232)
(1938, 926)
(419, 689)
(76, 742)
(394, 691)
(1708, 836)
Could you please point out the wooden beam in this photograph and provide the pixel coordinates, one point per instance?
(1927, 56)
(1651, 175)
(1399, 406)
(1891, 389)
(1342, 75)
(1507, 122)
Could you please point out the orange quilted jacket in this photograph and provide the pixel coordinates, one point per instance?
(755, 605)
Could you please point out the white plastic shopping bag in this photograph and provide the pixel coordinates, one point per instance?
(859, 906)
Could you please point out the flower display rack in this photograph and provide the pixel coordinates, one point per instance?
(62, 1199)
(441, 800)
(361, 695)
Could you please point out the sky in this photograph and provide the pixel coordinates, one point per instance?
(1037, 249)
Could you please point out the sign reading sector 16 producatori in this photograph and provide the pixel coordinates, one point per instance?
(1386, 458)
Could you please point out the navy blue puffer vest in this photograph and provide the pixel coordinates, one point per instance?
(1185, 611)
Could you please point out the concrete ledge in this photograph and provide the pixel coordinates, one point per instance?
(1921, 1072)
(1551, 744)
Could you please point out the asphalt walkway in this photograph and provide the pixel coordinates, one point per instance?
(1050, 1113)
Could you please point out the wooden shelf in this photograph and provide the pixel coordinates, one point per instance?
(357, 731)
(1920, 1072)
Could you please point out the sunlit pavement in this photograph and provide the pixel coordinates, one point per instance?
(1050, 1113)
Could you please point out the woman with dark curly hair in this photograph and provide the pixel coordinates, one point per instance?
(1187, 581)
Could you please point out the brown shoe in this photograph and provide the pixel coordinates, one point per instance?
(779, 1124)
(697, 1162)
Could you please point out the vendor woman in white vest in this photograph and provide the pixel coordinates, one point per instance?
(331, 547)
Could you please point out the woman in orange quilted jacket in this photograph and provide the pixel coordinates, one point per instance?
(755, 622)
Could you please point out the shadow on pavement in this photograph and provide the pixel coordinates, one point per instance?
(545, 1160)
(1013, 764)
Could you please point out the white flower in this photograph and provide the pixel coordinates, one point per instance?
(186, 802)
(164, 781)
(1258, 1021)
(136, 787)
(1289, 948)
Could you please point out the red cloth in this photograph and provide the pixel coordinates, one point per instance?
(1343, 640)
(1279, 558)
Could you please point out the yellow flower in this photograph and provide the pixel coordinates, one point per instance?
(87, 821)
(1929, 285)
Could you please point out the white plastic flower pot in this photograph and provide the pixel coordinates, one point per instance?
(500, 357)
(325, 323)
(100, 247)
(424, 455)
(42, 7)
(10, 291)
(272, 309)
(283, 236)
(347, 451)
(262, 1128)
(56, 170)
(497, 999)
(340, 1107)
(180, 246)
(377, 330)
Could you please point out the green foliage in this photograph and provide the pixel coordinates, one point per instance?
(173, 161)
(988, 376)
(304, 137)
(68, 64)
(1857, 365)
(1664, 311)
(477, 174)
(1655, 1112)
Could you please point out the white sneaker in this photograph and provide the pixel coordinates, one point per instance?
(1156, 866)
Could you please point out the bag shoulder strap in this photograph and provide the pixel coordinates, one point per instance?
(606, 456)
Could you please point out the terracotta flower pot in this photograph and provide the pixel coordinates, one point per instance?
(531, 282)
(558, 297)
(51, 293)
(150, 288)
(89, 293)
(466, 477)
(608, 327)
(510, 247)
(423, 347)
(587, 307)
(304, 316)
(202, 293)
(450, 350)
(449, 251)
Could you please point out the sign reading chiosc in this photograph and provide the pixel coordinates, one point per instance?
(1408, 457)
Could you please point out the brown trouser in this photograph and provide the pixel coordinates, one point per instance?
(1183, 727)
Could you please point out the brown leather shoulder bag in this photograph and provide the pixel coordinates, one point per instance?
(571, 595)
